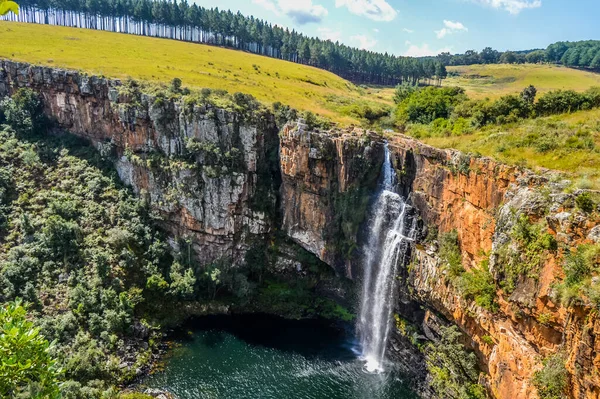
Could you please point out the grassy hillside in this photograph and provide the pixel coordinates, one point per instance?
(568, 142)
(494, 81)
(159, 60)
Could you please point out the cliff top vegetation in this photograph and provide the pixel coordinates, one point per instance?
(198, 66)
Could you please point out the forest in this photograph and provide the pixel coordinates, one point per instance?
(182, 21)
(582, 54)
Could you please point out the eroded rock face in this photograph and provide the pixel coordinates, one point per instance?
(482, 200)
(202, 197)
(327, 184)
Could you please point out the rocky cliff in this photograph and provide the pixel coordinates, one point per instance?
(223, 177)
(521, 226)
(212, 172)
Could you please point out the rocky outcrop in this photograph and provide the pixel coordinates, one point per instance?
(212, 173)
(328, 179)
(482, 201)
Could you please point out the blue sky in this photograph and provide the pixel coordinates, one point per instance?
(427, 27)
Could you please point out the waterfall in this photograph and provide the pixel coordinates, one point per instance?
(386, 246)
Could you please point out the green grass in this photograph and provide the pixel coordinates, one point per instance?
(494, 81)
(160, 60)
(569, 137)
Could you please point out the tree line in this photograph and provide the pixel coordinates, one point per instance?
(582, 54)
(189, 22)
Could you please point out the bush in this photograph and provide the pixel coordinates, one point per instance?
(559, 102)
(453, 370)
(552, 381)
(26, 367)
(585, 202)
(478, 285)
(428, 104)
(450, 252)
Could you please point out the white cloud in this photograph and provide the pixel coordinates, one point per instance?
(375, 30)
(424, 50)
(408, 30)
(377, 10)
(512, 6)
(301, 11)
(449, 28)
(329, 34)
(364, 42)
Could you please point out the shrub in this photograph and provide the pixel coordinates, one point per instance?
(478, 285)
(559, 102)
(450, 252)
(429, 104)
(26, 367)
(585, 202)
(453, 370)
(552, 381)
(175, 86)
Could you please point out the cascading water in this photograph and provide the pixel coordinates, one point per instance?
(386, 247)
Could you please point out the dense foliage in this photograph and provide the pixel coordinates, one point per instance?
(432, 111)
(27, 370)
(582, 54)
(81, 249)
(453, 369)
(182, 21)
(101, 278)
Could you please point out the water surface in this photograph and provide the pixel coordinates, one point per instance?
(256, 356)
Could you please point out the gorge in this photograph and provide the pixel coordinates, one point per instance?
(511, 228)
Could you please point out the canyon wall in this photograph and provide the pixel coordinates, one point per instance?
(212, 173)
(222, 178)
(485, 203)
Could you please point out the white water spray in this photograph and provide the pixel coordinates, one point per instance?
(386, 247)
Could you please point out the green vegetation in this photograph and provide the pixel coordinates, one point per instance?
(450, 252)
(453, 369)
(479, 285)
(427, 104)
(582, 54)
(558, 131)
(579, 286)
(408, 330)
(553, 380)
(197, 66)
(80, 248)
(181, 21)
(476, 285)
(27, 369)
(494, 81)
(568, 143)
(532, 242)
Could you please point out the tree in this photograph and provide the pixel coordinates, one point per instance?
(508, 57)
(26, 367)
(536, 57)
(489, 56)
(528, 94)
(7, 6)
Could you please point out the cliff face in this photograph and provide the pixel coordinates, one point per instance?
(212, 173)
(223, 178)
(487, 203)
(327, 184)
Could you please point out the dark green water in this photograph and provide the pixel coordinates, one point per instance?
(235, 357)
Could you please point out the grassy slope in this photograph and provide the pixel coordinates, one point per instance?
(159, 60)
(493, 81)
(517, 143)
